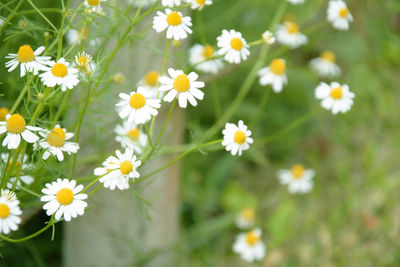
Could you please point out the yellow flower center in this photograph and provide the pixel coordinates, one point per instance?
(3, 113)
(240, 137)
(93, 2)
(208, 51)
(4, 211)
(248, 214)
(181, 83)
(252, 238)
(126, 167)
(65, 196)
(137, 101)
(336, 93)
(82, 61)
(25, 54)
(344, 12)
(133, 134)
(201, 2)
(151, 78)
(56, 137)
(236, 43)
(292, 27)
(298, 171)
(59, 70)
(328, 56)
(277, 66)
(16, 124)
(174, 18)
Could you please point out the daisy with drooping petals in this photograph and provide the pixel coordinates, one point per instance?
(19, 169)
(94, 6)
(15, 126)
(9, 212)
(250, 246)
(233, 46)
(59, 73)
(182, 86)
(339, 15)
(84, 62)
(150, 82)
(325, 65)
(171, 3)
(335, 97)
(199, 4)
(177, 26)
(289, 34)
(274, 75)
(298, 179)
(117, 171)
(63, 199)
(201, 57)
(245, 218)
(55, 143)
(3, 113)
(296, 2)
(129, 135)
(138, 106)
(29, 60)
(236, 138)
(268, 38)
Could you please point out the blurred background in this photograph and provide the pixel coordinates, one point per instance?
(352, 216)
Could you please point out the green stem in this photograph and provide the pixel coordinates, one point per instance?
(177, 158)
(42, 15)
(51, 223)
(61, 30)
(30, 191)
(21, 95)
(63, 105)
(261, 107)
(255, 43)
(11, 16)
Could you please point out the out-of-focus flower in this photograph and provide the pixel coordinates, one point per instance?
(29, 60)
(150, 82)
(298, 179)
(296, 2)
(181, 86)
(289, 34)
(201, 57)
(171, 3)
(233, 46)
(236, 138)
(94, 6)
(274, 74)
(250, 246)
(335, 97)
(129, 135)
(268, 38)
(19, 169)
(339, 15)
(199, 4)
(325, 65)
(177, 26)
(245, 218)
(3, 113)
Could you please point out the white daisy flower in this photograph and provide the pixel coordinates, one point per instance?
(117, 171)
(325, 65)
(59, 73)
(298, 179)
(29, 60)
(19, 170)
(94, 6)
(296, 2)
(233, 46)
(236, 138)
(3, 113)
(201, 57)
(15, 126)
(84, 62)
(182, 86)
(54, 143)
(138, 106)
(274, 75)
(9, 212)
(268, 38)
(199, 4)
(339, 15)
(250, 246)
(335, 97)
(63, 199)
(289, 34)
(177, 26)
(245, 219)
(171, 3)
(130, 136)
(142, 3)
(150, 82)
